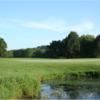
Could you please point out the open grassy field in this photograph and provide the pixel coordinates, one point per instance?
(20, 78)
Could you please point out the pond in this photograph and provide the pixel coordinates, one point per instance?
(71, 90)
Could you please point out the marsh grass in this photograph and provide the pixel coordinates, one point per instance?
(21, 78)
(19, 87)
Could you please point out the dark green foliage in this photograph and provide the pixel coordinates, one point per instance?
(9, 54)
(23, 53)
(40, 52)
(97, 46)
(3, 47)
(55, 50)
(73, 45)
(64, 42)
(87, 46)
(28, 53)
(19, 53)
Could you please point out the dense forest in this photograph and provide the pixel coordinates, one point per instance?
(72, 46)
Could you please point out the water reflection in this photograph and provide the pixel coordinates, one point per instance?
(67, 91)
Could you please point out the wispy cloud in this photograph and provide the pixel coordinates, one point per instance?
(60, 26)
(56, 25)
(51, 24)
(82, 27)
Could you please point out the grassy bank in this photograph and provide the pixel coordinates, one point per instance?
(20, 78)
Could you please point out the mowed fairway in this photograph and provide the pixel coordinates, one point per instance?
(17, 75)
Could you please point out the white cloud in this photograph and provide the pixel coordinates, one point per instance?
(60, 26)
(51, 24)
(82, 27)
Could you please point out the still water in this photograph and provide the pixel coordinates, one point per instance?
(84, 91)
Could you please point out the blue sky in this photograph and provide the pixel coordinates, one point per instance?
(31, 23)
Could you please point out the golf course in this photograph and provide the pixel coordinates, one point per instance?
(22, 77)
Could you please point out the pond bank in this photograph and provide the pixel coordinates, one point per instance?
(80, 78)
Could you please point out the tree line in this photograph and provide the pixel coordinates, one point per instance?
(72, 46)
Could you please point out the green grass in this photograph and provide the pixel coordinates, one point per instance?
(20, 78)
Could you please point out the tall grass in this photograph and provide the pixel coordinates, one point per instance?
(18, 87)
(20, 78)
